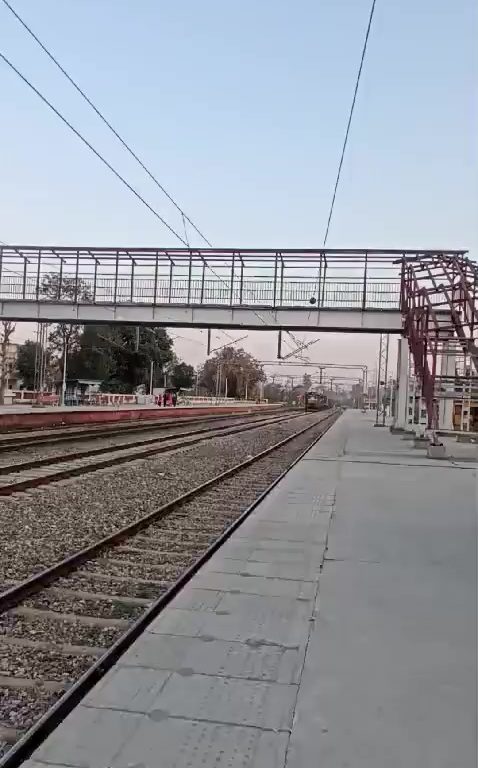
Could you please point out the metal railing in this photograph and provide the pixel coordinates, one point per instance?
(318, 279)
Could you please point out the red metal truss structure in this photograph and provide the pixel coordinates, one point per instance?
(439, 295)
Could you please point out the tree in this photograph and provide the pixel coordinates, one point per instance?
(7, 328)
(59, 288)
(307, 381)
(30, 357)
(64, 334)
(132, 352)
(64, 338)
(118, 356)
(242, 371)
(93, 358)
(182, 376)
(27, 356)
(274, 393)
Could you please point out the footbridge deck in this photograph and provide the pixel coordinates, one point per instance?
(345, 290)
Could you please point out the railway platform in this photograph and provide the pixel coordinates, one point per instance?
(337, 627)
(25, 418)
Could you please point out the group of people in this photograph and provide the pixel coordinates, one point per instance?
(167, 399)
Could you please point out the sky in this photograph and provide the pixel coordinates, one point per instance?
(240, 110)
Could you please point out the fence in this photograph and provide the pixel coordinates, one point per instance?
(329, 279)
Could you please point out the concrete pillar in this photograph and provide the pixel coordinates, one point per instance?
(401, 421)
(445, 405)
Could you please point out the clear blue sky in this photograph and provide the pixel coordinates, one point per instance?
(240, 110)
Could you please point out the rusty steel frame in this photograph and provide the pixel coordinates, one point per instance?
(439, 295)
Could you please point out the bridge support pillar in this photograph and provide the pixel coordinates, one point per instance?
(447, 386)
(401, 418)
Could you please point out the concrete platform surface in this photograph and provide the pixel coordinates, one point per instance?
(337, 628)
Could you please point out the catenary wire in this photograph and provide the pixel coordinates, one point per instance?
(123, 142)
(105, 121)
(109, 166)
(346, 137)
(91, 148)
(349, 122)
(115, 132)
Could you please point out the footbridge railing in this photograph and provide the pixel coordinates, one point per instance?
(357, 279)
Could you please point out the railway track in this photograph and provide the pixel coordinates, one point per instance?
(61, 435)
(96, 602)
(19, 477)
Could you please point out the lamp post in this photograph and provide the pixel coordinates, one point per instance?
(151, 378)
(63, 381)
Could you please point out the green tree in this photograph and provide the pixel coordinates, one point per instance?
(64, 338)
(132, 353)
(242, 371)
(182, 375)
(59, 288)
(26, 357)
(93, 358)
(61, 335)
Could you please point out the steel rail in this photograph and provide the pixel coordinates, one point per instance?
(32, 739)
(99, 430)
(11, 597)
(46, 461)
(65, 474)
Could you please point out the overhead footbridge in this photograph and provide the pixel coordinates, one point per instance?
(350, 290)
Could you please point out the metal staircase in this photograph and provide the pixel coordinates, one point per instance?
(439, 304)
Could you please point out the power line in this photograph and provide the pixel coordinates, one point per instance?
(349, 122)
(91, 148)
(103, 160)
(105, 121)
(184, 216)
(346, 138)
(112, 169)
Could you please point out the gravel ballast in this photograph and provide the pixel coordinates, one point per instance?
(24, 707)
(51, 637)
(55, 600)
(47, 524)
(48, 664)
(67, 447)
(64, 631)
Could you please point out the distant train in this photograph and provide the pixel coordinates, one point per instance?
(316, 401)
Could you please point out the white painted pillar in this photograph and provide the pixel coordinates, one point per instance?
(401, 420)
(445, 405)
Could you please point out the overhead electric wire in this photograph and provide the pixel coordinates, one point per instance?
(349, 122)
(91, 148)
(346, 138)
(105, 121)
(100, 156)
(108, 165)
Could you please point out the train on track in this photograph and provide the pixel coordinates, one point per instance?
(316, 401)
